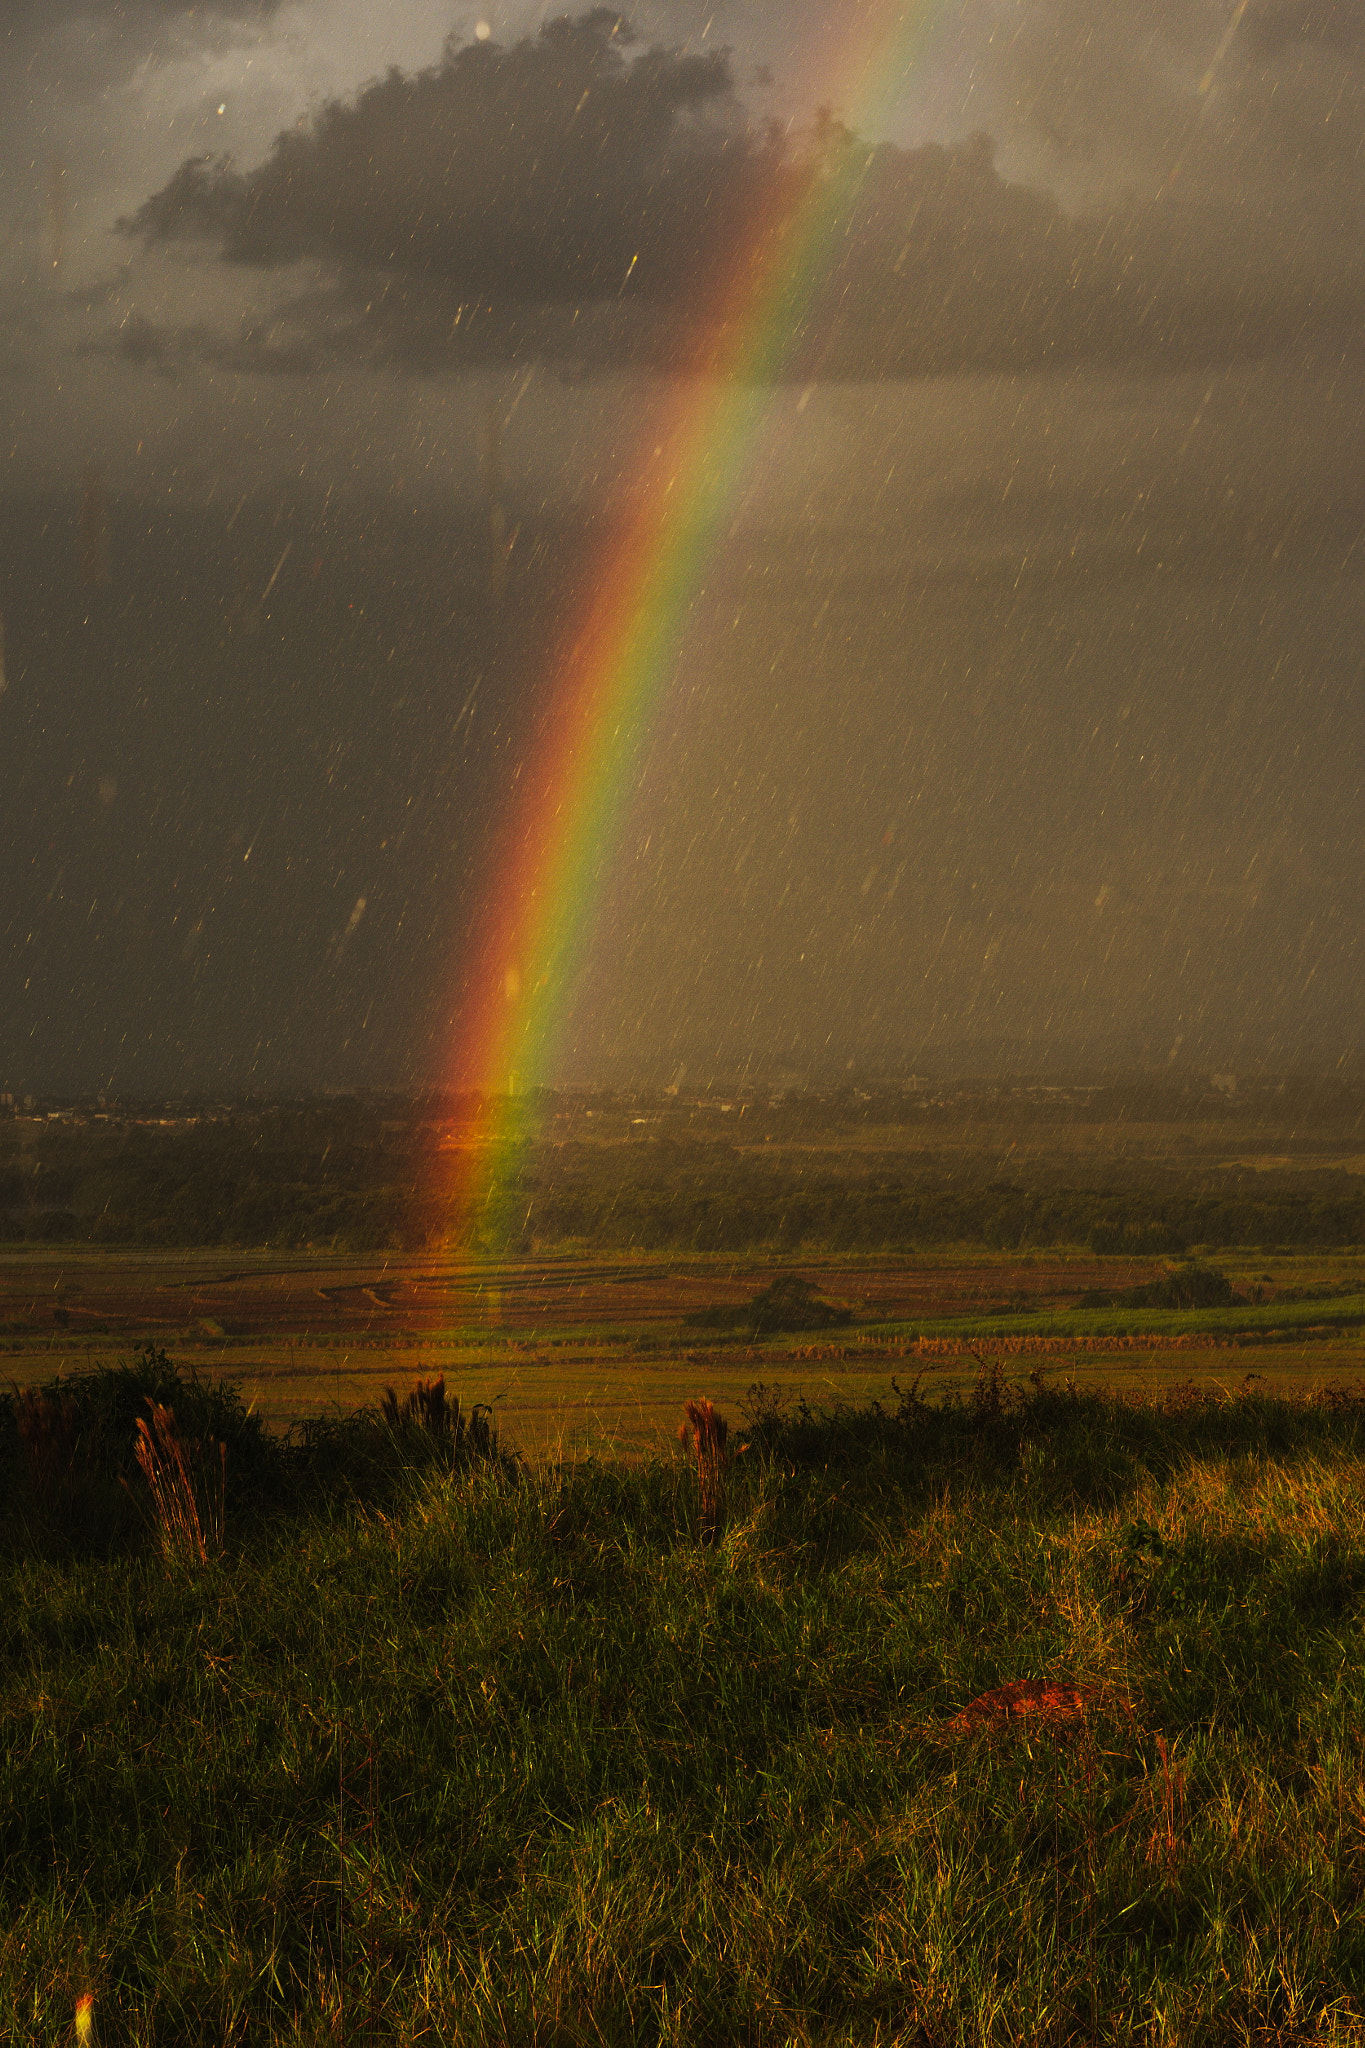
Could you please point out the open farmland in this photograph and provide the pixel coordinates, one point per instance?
(301, 1249)
(594, 1351)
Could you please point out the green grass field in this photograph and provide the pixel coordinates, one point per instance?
(1252, 1320)
(450, 1748)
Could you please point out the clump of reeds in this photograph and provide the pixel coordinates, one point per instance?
(187, 1479)
(427, 1411)
(49, 1431)
(425, 1408)
(706, 1430)
(1336, 1398)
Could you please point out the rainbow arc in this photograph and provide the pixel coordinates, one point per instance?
(609, 673)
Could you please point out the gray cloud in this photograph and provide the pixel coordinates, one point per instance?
(94, 97)
(262, 348)
(73, 50)
(572, 197)
(557, 169)
(1258, 109)
(1022, 702)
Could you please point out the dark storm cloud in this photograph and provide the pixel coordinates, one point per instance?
(262, 350)
(570, 196)
(557, 169)
(376, 321)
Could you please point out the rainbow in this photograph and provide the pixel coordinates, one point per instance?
(609, 673)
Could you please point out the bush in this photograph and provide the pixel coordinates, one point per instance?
(787, 1303)
(67, 1448)
(1190, 1286)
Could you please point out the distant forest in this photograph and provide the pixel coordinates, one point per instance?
(654, 1174)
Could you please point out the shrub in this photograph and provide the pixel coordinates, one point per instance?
(68, 1449)
(787, 1303)
(1190, 1286)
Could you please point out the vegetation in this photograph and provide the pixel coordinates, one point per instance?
(1032, 1717)
(787, 1303)
(1189, 1286)
(744, 1205)
(1236, 1319)
(365, 1174)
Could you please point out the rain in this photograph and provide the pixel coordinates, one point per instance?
(1010, 715)
(681, 1168)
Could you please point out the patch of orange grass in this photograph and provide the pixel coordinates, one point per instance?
(1042, 1703)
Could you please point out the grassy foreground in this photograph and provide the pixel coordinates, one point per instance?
(448, 1749)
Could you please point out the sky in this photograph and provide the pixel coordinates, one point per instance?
(1014, 717)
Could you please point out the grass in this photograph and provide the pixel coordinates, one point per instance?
(447, 1748)
(1232, 1319)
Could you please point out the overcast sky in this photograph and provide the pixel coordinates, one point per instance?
(1018, 717)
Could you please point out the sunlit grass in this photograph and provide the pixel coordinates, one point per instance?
(497, 1754)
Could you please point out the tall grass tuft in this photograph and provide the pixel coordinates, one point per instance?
(1169, 1832)
(705, 1428)
(69, 1483)
(188, 1485)
(427, 1413)
(424, 1408)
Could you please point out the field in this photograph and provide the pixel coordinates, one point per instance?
(997, 1680)
(1032, 1718)
(594, 1352)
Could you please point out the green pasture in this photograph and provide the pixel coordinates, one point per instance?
(1236, 1320)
